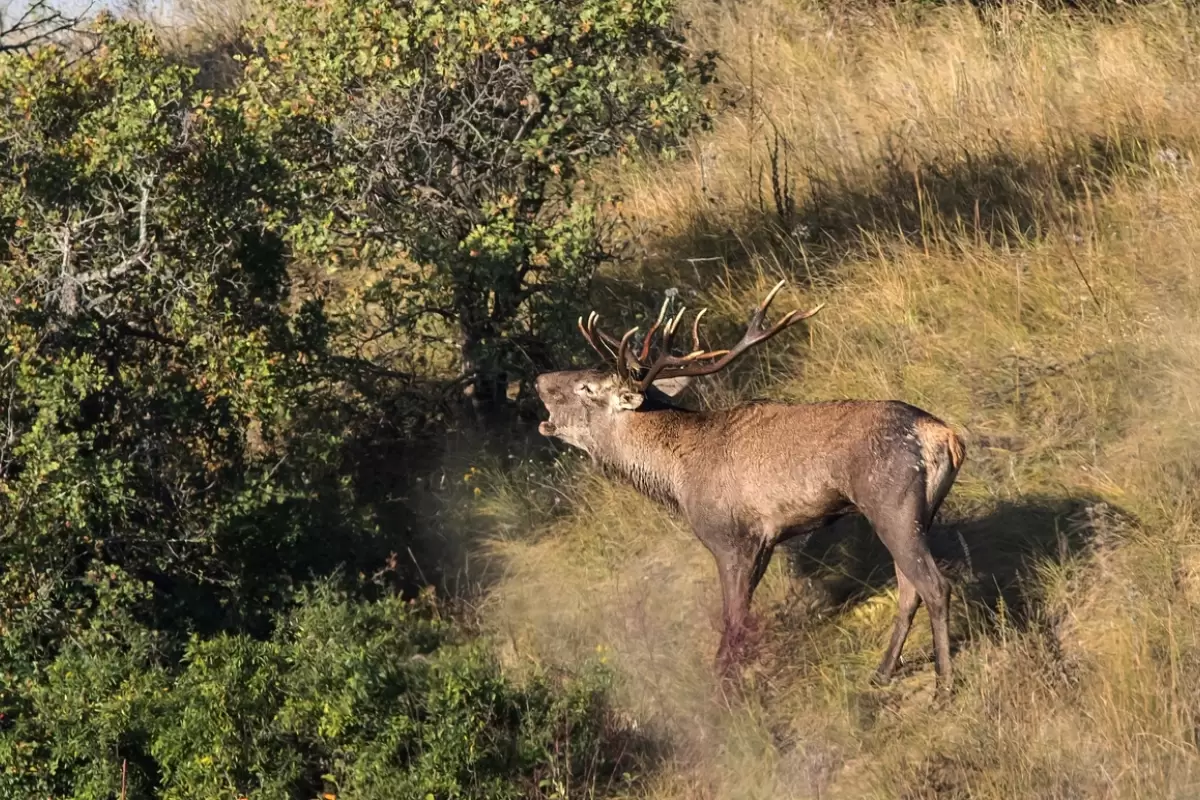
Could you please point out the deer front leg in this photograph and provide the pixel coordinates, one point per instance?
(741, 565)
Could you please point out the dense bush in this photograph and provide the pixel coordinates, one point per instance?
(150, 374)
(189, 431)
(349, 699)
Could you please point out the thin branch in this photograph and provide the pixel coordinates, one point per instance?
(71, 284)
(38, 24)
(126, 329)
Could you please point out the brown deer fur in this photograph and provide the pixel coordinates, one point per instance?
(749, 477)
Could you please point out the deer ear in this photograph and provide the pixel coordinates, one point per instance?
(628, 400)
(673, 387)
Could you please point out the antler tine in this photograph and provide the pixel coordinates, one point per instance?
(645, 353)
(669, 331)
(610, 343)
(590, 336)
(622, 354)
(696, 330)
(677, 366)
(760, 313)
(771, 295)
(584, 332)
(791, 318)
(593, 318)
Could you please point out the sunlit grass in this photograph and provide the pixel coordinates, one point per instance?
(1000, 210)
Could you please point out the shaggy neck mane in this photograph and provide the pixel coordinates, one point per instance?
(642, 450)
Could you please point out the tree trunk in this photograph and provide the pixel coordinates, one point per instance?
(489, 386)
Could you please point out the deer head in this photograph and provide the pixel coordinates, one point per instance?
(584, 404)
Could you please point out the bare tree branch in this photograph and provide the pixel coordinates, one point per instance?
(40, 23)
(71, 284)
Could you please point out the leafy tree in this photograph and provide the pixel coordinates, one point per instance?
(448, 144)
(155, 390)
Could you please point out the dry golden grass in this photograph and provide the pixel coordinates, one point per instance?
(1002, 211)
(205, 33)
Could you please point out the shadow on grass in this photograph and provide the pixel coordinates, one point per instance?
(988, 558)
(995, 195)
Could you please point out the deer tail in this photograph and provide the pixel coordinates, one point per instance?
(943, 453)
(956, 449)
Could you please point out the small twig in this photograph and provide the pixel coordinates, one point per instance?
(417, 564)
(138, 333)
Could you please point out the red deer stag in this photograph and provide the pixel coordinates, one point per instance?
(749, 477)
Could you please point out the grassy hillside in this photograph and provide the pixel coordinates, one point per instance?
(1002, 211)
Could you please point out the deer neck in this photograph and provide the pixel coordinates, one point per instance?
(644, 449)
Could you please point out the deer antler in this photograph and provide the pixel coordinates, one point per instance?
(697, 361)
(612, 349)
(596, 337)
(706, 362)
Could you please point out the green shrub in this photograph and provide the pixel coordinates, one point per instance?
(150, 374)
(348, 698)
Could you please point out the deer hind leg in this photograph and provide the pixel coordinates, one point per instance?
(903, 530)
(909, 601)
(741, 567)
